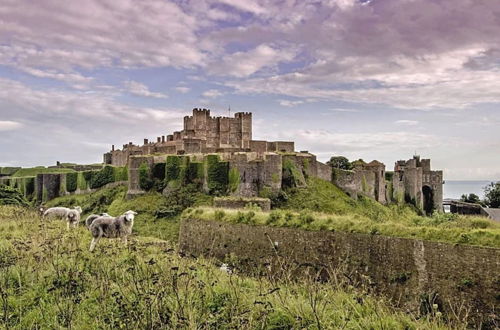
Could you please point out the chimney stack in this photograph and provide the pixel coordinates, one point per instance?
(145, 141)
(158, 139)
(112, 147)
(163, 138)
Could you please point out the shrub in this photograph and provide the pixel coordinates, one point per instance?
(179, 199)
(71, 181)
(29, 186)
(102, 177)
(274, 217)
(234, 179)
(12, 196)
(120, 173)
(292, 177)
(195, 173)
(172, 171)
(145, 180)
(217, 175)
(159, 171)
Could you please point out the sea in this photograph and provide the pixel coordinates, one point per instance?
(455, 189)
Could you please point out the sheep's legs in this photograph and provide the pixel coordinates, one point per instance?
(67, 223)
(93, 243)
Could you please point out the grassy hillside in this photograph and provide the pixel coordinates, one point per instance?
(323, 196)
(320, 206)
(49, 280)
(159, 214)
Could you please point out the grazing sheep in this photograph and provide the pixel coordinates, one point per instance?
(41, 210)
(92, 217)
(119, 227)
(72, 218)
(59, 212)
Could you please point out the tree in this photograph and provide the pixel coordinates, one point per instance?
(492, 195)
(339, 162)
(470, 198)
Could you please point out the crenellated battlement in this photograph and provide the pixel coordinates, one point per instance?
(203, 133)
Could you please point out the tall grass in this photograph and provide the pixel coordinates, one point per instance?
(48, 280)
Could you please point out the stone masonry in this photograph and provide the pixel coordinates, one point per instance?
(202, 133)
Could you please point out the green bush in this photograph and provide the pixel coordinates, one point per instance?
(234, 179)
(102, 177)
(29, 186)
(145, 177)
(12, 196)
(292, 177)
(71, 181)
(159, 171)
(172, 171)
(195, 173)
(120, 173)
(87, 176)
(179, 199)
(217, 175)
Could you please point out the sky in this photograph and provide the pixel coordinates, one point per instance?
(379, 79)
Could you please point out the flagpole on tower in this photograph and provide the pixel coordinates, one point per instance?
(229, 110)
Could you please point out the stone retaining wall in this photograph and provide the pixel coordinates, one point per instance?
(459, 279)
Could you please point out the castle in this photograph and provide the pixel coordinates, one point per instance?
(263, 165)
(202, 133)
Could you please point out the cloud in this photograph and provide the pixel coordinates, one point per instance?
(243, 64)
(246, 6)
(212, 93)
(406, 122)
(140, 89)
(64, 104)
(123, 33)
(7, 125)
(289, 103)
(344, 110)
(75, 79)
(182, 89)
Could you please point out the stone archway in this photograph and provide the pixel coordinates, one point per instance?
(428, 199)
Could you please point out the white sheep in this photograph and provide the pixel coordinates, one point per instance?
(92, 217)
(119, 227)
(59, 212)
(72, 216)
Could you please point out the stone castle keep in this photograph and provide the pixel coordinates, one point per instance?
(262, 165)
(202, 133)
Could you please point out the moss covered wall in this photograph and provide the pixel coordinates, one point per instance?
(405, 270)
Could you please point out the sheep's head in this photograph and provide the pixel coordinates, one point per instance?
(129, 215)
(78, 209)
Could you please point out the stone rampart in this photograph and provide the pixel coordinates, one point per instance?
(415, 274)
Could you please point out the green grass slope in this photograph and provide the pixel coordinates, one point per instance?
(158, 214)
(49, 280)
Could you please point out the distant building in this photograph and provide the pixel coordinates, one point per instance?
(415, 182)
(202, 133)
